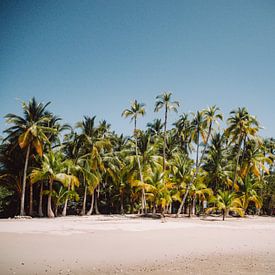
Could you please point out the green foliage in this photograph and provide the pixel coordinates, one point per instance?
(154, 170)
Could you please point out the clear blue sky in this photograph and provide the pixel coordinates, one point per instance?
(94, 57)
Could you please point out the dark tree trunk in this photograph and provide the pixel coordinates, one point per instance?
(40, 208)
(121, 204)
(96, 203)
(31, 200)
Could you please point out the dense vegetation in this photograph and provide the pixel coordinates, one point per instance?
(49, 169)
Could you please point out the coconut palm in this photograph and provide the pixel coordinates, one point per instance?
(216, 162)
(241, 126)
(155, 127)
(136, 110)
(29, 131)
(250, 188)
(158, 187)
(199, 191)
(164, 101)
(183, 132)
(71, 170)
(226, 201)
(202, 126)
(53, 168)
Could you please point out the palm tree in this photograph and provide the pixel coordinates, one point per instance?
(12, 162)
(155, 127)
(249, 194)
(183, 132)
(158, 192)
(212, 115)
(202, 121)
(164, 101)
(90, 160)
(226, 201)
(216, 162)
(137, 109)
(29, 132)
(199, 191)
(53, 168)
(71, 170)
(241, 126)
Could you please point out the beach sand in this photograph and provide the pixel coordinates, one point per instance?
(132, 245)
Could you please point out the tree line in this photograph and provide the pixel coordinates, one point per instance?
(48, 168)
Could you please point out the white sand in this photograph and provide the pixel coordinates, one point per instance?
(131, 245)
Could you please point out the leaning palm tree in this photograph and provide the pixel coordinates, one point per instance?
(136, 110)
(164, 100)
(226, 201)
(29, 131)
(53, 168)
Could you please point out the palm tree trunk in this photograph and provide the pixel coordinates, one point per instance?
(49, 209)
(40, 207)
(121, 203)
(56, 210)
(143, 198)
(223, 214)
(154, 208)
(170, 208)
(194, 206)
(96, 204)
(198, 149)
(206, 143)
(83, 211)
(90, 211)
(198, 164)
(31, 200)
(64, 211)
(237, 162)
(164, 139)
(22, 205)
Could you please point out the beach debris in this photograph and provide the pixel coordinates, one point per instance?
(22, 217)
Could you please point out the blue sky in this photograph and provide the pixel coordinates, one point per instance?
(94, 57)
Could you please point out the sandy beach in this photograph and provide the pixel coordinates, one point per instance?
(133, 245)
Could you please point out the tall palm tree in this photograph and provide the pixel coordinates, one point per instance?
(216, 162)
(164, 101)
(183, 132)
(212, 115)
(29, 131)
(241, 126)
(202, 125)
(136, 110)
